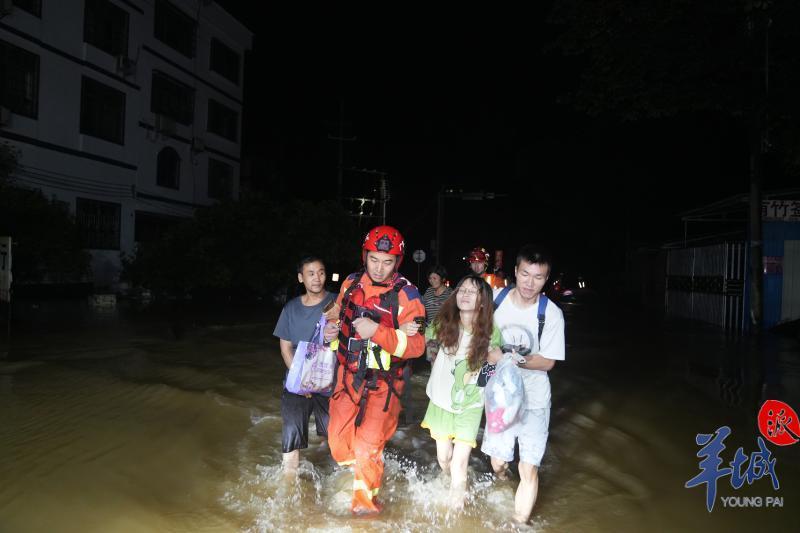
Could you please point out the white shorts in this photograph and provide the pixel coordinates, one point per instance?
(531, 433)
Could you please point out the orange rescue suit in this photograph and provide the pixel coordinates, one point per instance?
(375, 400)
(495, 281)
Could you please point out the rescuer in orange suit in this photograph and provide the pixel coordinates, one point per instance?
(372, 351)
(478, 260)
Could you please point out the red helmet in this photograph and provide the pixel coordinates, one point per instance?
(385, 239)
(478, 255)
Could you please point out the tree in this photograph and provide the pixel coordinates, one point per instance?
(648, 60)
(47, 247)
(8, 162)
(250, 246)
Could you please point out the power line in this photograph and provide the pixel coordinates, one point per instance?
(71, 177)
(31, 179)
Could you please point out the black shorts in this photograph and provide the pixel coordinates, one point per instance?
(295, 412)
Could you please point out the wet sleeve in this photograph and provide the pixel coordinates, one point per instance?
(395, 341)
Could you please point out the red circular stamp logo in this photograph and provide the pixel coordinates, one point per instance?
(778, 423)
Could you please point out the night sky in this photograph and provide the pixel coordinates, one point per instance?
(475, 104)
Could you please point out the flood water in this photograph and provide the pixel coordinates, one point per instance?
(113, 425)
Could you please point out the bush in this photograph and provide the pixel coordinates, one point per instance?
(47, 246)
(250, 246)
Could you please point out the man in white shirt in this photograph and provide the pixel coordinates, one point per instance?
(533, 327)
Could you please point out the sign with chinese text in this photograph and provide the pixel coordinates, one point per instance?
(785, 210)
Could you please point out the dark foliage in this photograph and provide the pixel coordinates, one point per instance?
(250, 246)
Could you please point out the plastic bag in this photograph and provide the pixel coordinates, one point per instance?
(505, 397)
(313, 365)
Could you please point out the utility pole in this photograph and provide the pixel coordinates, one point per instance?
(759, 143)
(342, 139)
(383, 194)
(439, 202)
(6, 243)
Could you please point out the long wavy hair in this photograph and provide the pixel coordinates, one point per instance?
(448, 322)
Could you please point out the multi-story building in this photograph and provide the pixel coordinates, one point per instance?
(129, 111)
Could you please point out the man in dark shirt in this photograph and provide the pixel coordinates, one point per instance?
(297, 323)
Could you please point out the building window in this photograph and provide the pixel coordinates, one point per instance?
(168, 169)
(220, 180)
(224, 61)
(34, 7)
(106, 26)
(175, 28)
(102, 111)
(19, 80)
(172, 98)
(222, 120)
(98, 223)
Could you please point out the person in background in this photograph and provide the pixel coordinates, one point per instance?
(478, 260)
(297, 322)
(437, 292)
(433, 298)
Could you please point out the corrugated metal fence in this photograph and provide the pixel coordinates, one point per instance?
(707, 283)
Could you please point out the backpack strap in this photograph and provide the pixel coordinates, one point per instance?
(353, 286)
(391, 298)
(502, 296)
(541, 314)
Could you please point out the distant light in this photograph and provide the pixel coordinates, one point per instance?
(335, 276)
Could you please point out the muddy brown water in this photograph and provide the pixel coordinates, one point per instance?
(112, 428)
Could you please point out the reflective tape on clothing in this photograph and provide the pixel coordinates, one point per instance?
(360, 484)
(372, 362)
(402, 343)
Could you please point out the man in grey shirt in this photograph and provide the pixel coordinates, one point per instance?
(297, 323)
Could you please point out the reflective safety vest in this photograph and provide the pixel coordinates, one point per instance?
(355, 354)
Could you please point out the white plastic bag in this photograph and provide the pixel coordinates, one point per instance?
(505, 397)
